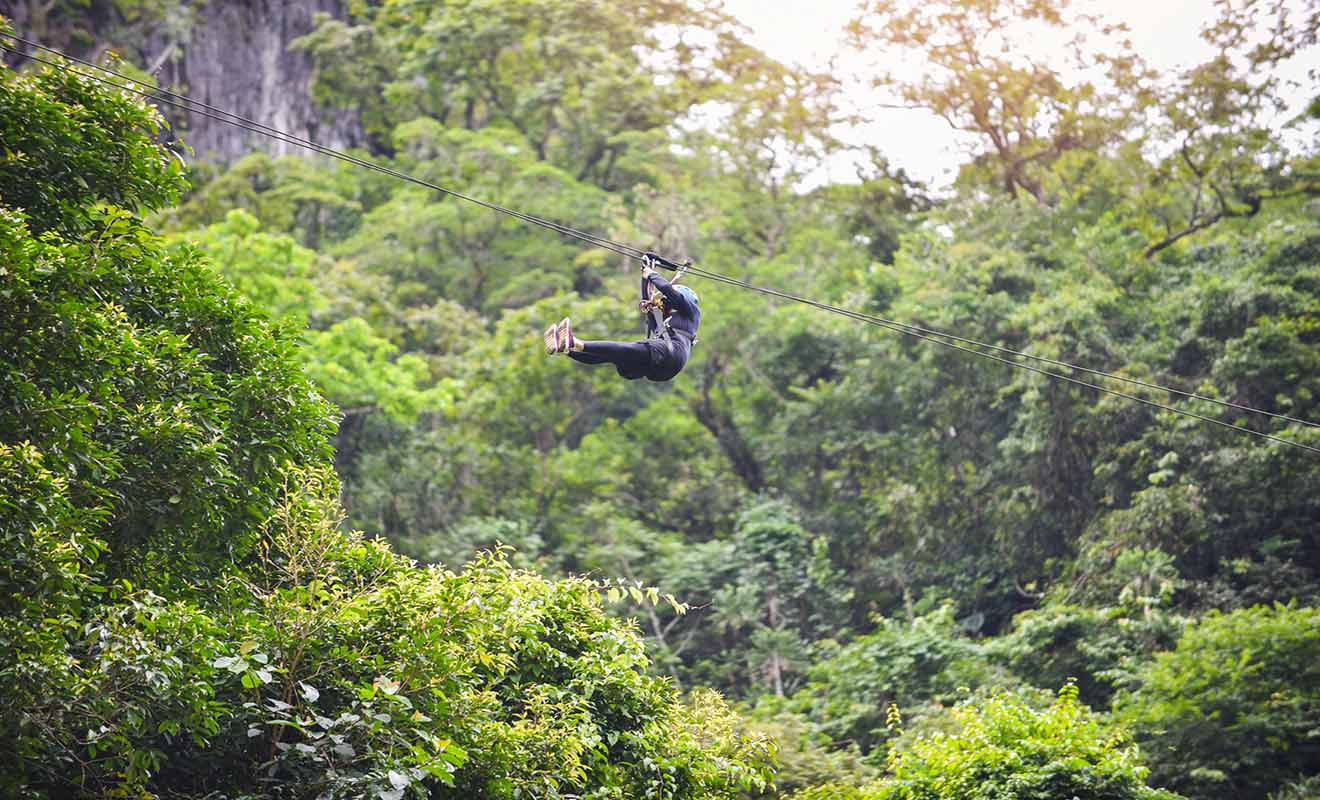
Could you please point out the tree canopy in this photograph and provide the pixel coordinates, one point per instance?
(183, 615)
(296, 505)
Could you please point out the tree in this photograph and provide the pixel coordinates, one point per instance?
(1095, 648)
(135, 366)
(352, 364)
(917, 665)
(54, 170)
(432, 245)
(1003, 747)
(573, 81)
(770, 598)
(976, 75)
(1229, 158)
(183, 615)
(1231, 711)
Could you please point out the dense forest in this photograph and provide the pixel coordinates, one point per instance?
(294, 504)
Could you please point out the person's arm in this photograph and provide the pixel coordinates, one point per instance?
(647, 306)
(672, 296)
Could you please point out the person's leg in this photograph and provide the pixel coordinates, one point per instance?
(632, 359)
(671, 363)
(583, 358)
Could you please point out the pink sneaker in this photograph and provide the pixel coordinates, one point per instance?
(552, 339)
(566, 340)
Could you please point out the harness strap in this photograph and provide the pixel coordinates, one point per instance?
(658, 325)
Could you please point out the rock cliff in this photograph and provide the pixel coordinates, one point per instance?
(233, 54)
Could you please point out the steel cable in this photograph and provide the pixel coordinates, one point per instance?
(942, 338)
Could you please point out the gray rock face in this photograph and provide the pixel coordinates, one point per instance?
(238, 59)
(232, 54)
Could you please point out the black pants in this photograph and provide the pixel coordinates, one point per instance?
(653, 359)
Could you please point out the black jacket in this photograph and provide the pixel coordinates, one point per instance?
(684, 316)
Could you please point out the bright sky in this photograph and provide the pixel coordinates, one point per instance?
(809, 32)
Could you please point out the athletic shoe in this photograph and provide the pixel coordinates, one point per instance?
(566, 340)
(552, 340)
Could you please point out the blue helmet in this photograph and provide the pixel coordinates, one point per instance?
(689, 294)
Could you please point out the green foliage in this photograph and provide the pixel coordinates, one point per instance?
(815, 488)
(918, 666)
(772, 602)
(492, 682)
(361, 371)
(1304, 789)
(1094, 648)
(272, 270)
(806, 758)
(182, 614)
(160, 398)
(1231, 712)
(318, 202)
(1005, 748)
(351, 364)
(430, 244)
(575, 83)
(331, 666)
(69, 144)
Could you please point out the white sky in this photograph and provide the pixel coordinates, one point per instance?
(809, 32)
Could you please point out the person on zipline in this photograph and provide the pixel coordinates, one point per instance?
(658, 358)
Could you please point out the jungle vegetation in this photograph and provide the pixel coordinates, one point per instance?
(293, 504)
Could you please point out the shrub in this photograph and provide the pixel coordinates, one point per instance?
(1003, 748)
(182, 615)
(1232, 711)
(1092, 647)
(925, 662)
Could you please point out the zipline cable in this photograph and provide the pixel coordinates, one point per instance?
(910, 331)
(618, 247)
(229, 117)
(938, 337)
(896, 325)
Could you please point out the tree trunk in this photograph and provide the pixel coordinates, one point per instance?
(721, 425)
